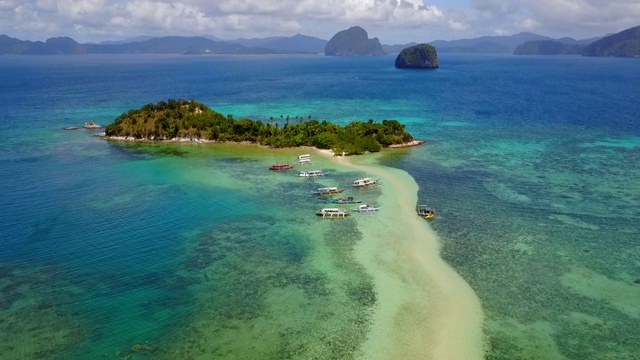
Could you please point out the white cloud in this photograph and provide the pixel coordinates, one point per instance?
(528, 24)
(46, 5)
(559, 17)
(390, 20)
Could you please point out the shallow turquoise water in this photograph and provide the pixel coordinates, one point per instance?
(532, 164)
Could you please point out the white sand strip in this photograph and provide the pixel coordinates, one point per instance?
(425, 310)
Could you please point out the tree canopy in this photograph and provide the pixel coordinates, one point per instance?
(190, 119)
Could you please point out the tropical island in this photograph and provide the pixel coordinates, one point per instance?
(353, 42)
(189, 120)
(421, 56)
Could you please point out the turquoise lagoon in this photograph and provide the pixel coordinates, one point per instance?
(194, 250)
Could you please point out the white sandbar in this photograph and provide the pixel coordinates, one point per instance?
(425, 310)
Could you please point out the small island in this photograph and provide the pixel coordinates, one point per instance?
(189, 120)
(353, 42)
(421, 56)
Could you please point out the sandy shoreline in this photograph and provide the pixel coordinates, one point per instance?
(425, 310)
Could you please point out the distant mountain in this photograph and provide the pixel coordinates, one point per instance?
(294, 44)
(624, 44)
(486, 44)
(174, 45)
(549, 47)
(298, 43)
(353, 42)
(127, 41)
(396, 48)
(161, 45)
(53, 46)
(255, 42)
(572, 41)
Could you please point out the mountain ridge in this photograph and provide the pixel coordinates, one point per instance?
(296, 44)
(626, 43)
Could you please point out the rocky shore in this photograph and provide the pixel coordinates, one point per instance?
(408, 144)
(87, 125)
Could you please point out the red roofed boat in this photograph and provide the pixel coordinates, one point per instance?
(281, 167)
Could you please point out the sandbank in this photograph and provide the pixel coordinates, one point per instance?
(424, 310)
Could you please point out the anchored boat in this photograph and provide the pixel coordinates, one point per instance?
(347, 200)
(281, 167)
(312, 173)
(328, 191)
(366, 182)
(304, 159)
(332, 213)
(427, 211)
(366, 208)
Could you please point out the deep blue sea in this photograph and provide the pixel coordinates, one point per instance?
(166, 251)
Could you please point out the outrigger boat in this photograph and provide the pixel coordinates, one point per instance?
(332, 213)
(304, 159)
(280, 167)
(312, 173)
(366, 182)
(328, 191)
(426, 211)
(367, 208)
(347, 200)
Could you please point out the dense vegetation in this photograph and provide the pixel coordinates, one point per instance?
(548, 47)
(189, 119)
(353, 42)
(421, 56)
(625, 43)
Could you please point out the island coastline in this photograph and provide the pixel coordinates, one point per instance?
(412, 143)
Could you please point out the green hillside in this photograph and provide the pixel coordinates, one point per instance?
(189, 119)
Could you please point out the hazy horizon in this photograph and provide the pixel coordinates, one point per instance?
(391, 21)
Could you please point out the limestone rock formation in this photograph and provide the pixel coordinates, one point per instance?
(353, 42)
(421, 56)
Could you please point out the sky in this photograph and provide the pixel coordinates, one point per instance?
(391, 21)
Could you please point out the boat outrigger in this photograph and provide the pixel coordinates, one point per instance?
(280, 167)
(426, 211)
(366, 208)
(332, 213)
(366, 182)
(312, 173)
(304, 159)
(328, 191)
(347, 200)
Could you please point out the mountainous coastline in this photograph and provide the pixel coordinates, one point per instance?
(196, 45)
(623, 44)
(486, 44)
(353, 42)
(548, 47)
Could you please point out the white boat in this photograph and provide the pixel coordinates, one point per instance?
(366, 182)
(332, 213)
(312, 173)
(304, 159)
(367, 208)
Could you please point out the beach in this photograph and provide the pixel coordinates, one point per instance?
(425, 310)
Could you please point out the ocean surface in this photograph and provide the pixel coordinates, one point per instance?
(198, 251)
